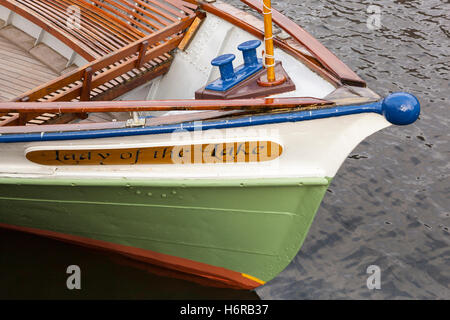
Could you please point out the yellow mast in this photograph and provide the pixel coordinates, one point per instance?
(268, 39)
(271, 79)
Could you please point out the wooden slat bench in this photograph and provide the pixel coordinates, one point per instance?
(128, 43)
(112, 75)
(104, 26)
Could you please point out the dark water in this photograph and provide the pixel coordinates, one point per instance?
(388, 206)
(35, 268)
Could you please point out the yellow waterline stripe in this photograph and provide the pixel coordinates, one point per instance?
(253, 278)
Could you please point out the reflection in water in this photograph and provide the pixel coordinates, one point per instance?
(33, 267)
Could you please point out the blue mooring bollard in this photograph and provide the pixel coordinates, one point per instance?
(225, 64)
(248, 49)
(230, 76)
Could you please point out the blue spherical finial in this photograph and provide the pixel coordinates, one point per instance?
(401, 108)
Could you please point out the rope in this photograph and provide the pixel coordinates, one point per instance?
(267, 8)
(265, 55)
(268, 56)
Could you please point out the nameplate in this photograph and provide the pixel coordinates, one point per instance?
(234, 152)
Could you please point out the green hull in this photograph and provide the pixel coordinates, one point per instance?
(254, 227)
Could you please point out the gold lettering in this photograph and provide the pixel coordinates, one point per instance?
(126, 155)
(233, 152)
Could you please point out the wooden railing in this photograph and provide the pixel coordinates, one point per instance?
(166, 105)
(81, 81)
(144, 59)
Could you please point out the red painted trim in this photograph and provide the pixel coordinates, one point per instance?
(179, 267)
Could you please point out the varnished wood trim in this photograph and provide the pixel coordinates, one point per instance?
(157, 121)
(190, 33)
(106, 61)
(160, 105)
(11, 120)
(121, 89)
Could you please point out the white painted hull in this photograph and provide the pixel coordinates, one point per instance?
(314, 148)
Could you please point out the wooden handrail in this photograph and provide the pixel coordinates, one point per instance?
(117, 70)
(160, 105)
(156, 121)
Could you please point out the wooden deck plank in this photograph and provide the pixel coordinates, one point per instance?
(23, 66)
(11, 74)
(20, 71)
(20, 81)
